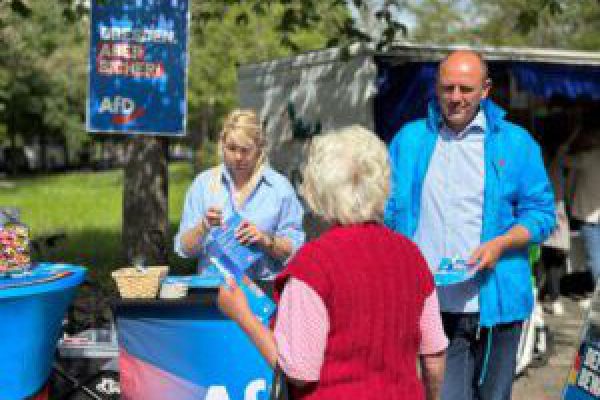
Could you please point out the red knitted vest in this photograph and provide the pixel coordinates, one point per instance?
(373, 282)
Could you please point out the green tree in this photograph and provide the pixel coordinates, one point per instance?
(42, 75)
(542, 23)
(569, 24)
(239, 36)
(438, 21)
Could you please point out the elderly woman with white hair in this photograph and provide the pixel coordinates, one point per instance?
(245, 184)
(357, 306)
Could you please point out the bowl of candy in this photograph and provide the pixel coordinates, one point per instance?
(14, 251)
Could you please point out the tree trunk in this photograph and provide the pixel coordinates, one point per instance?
(145, 201)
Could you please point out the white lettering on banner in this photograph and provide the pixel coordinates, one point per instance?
(136, 69)
(217, 393)
(127, 51)
(141, 35)
(252, 390)
(589, 381)
(592, 359)
(117, 105)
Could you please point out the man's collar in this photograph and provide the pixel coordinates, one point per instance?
(477, 125)
(492, 112)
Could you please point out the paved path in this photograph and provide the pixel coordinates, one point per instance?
(546, 382)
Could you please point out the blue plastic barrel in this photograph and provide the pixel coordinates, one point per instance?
(32, 308)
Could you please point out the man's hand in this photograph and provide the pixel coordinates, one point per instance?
(488, 254)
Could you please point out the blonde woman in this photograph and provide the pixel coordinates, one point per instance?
(357, 306)
(243, 183)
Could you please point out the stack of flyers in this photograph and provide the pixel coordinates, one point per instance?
(225, 247)
(260, 304)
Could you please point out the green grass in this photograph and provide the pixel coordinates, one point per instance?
(87, 206)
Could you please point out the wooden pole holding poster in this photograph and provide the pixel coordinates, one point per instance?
(145, 201)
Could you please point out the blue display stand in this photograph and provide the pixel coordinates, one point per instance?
(32, 307)
(186, 349)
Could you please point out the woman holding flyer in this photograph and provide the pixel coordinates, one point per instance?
(357, 306)
(242, 186)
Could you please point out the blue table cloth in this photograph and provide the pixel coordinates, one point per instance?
(32, 307)
(186, 349)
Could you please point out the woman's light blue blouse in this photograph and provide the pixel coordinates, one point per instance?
(273, 207)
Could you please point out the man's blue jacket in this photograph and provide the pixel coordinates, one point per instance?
(516, 192)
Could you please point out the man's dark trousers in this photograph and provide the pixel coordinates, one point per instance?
(466, 354)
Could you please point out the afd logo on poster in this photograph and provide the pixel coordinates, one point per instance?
(122, 109)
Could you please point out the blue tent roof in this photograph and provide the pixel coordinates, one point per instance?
(547, 80)
(403, 90)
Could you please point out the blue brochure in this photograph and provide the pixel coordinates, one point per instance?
(453, 271)
(209, 278)
(223, 246)
(260, 304)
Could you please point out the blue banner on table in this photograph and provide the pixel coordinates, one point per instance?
(138, 66)
(187, 352)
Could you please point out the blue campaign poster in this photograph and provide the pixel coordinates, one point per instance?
(584, 378)
(583, 382)
(138, 66)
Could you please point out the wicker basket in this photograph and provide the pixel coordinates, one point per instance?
(135, 284)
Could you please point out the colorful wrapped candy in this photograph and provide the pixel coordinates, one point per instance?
(14, 245)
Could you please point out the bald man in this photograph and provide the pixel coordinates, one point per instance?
(469, 186)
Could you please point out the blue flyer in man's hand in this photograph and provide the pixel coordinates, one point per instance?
(453, 271)
(223, 245)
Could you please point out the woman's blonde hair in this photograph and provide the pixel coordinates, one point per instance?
(346, 178)
(243, 124)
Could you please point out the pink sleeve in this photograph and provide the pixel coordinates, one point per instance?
(433, 338)
(301, 331)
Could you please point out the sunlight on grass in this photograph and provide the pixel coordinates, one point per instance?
(87, 206)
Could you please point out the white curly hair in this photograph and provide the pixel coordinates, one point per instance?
(346, 177)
